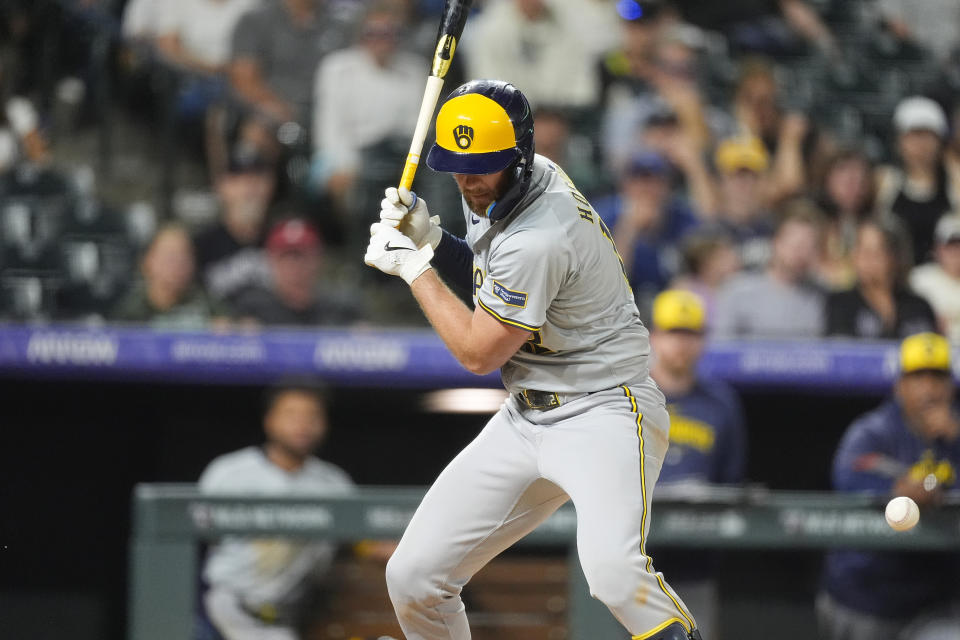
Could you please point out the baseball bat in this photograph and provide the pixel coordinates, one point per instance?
(448, 36)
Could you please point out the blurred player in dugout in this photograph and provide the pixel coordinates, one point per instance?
(707, 439)
(262, 589)
(908, 446)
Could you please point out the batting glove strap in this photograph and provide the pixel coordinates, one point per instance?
(417, 265)
(435, 233)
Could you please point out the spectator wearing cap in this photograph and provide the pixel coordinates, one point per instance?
(742, 166)
(365, 96)
(919, 190)
(792, 304)
(167, 296)
(230, 253)
(654, 125)
(939, 281)
(295, 295)
(879, 305)
(275, 52)
(707, 437)
(909, 446)
(647, 223)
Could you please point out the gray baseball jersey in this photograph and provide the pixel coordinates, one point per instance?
(551, 267)
(268, 571)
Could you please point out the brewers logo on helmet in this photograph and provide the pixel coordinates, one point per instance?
(463, 135)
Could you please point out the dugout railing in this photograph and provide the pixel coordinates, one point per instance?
(170, 520)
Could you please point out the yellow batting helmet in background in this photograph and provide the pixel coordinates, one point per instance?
(925, 352)
(679, 310)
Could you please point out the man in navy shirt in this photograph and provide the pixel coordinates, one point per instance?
(909, 446)
(707, 436)
(647, 222)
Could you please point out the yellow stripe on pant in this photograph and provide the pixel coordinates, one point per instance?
(657, 629)
(687, 621)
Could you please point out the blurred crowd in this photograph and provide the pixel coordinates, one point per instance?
(802, 151)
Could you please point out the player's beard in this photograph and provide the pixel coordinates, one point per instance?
(479, 199)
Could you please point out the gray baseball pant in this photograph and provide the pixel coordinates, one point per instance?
(603, 451)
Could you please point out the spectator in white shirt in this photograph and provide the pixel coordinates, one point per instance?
(537, 45)
(197, 34)
(939, 281)
(195, 37)
(142, 19)
(364, 95)
(20, 137)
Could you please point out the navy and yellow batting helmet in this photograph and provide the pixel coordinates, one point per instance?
(483, 127)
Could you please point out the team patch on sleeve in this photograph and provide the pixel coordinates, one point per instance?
(509, 296)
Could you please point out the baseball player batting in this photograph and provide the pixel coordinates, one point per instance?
(553, 310)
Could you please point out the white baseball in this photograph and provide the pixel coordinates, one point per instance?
(902, 513)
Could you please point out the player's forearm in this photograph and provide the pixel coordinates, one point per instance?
(454, 261)
(452, 321)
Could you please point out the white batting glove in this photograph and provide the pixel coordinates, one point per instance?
(396, 254)
(403, 210)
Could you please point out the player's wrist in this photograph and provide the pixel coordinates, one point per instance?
(417, 264)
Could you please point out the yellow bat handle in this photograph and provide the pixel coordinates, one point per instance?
(409, 170)
(431, 94)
